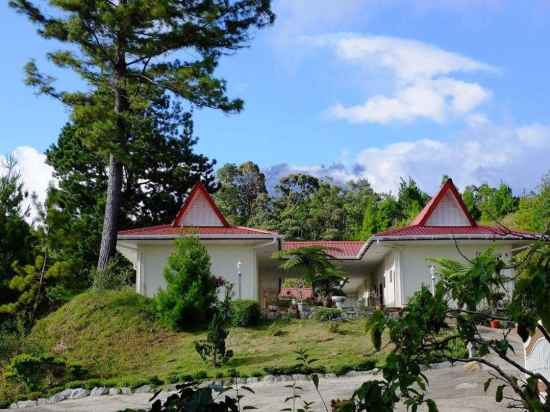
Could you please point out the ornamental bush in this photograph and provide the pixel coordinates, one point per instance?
(188, 300)
(327, 314)
(245, 313)
(37, 372)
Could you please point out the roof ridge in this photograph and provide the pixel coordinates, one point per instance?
(199, 187)
(428, 209)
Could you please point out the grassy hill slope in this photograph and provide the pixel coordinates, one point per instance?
(116, 337)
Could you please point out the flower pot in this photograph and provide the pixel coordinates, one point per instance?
(495, 323)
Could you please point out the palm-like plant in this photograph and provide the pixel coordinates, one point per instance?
(316, 266)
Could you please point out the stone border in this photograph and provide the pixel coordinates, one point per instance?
(79, 393)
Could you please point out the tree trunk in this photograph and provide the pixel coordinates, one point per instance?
(114, 184)
(110, 219)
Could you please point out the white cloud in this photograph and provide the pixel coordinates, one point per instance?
(433, 99)
(35, 173)
(482, 153)
(424, 86)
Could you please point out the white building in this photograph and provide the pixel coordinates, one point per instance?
(388, 268)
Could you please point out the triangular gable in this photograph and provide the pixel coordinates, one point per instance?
(199, 210)
(446, 208)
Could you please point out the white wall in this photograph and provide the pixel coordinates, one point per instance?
(387, 273)
(223, 258)
(415, 267)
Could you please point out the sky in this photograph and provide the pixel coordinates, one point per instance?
(349, 89)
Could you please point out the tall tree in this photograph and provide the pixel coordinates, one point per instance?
(122, 47)
(411, 199)
(488, 203)
(240, 188)
(16, 235)
(534, 209)
(359, 195)
(162, 167)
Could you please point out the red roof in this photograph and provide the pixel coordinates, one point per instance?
(174, 229)
(169, 230)
(339, 249)
(418, 226)
(455, 231)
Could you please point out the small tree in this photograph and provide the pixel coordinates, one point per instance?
(317, 268)
(214, 348)
(190, 293)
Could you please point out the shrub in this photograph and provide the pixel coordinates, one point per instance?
(213, 349)
(190, 293)
(116, 276)
(298, 368)
(10, 343)
(245, 313)
(327, 314)
(41, 371)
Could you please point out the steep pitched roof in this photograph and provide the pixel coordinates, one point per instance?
(199, 215)
(199, 209)
(447, 192)
(446, 216)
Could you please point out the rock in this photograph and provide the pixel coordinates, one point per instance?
(41, 401)
(472, 367)
(352, 374)
(26, 404)
(299, 377)
(466, 385)
(61, 396)
(99, 391)
(269, 379)
(172, 387)
(144, 389)
(114, 391)
(329, 375)
(13, 405)
(125, 391)
(252, 380)
(79, 393)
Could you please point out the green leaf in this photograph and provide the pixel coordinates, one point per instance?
(432, 407)
(487, 384)
(315, 379)
(246, 388)
(500, 393)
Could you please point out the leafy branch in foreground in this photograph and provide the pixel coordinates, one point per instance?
(438, 326)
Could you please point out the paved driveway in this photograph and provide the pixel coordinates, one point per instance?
(454, 389)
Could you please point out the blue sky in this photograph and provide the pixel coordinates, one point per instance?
(352, 88)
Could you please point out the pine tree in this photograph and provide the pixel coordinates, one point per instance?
(121, 48)
(16, 235)
(162, 167)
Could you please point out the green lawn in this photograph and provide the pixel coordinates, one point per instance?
(115, 336)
